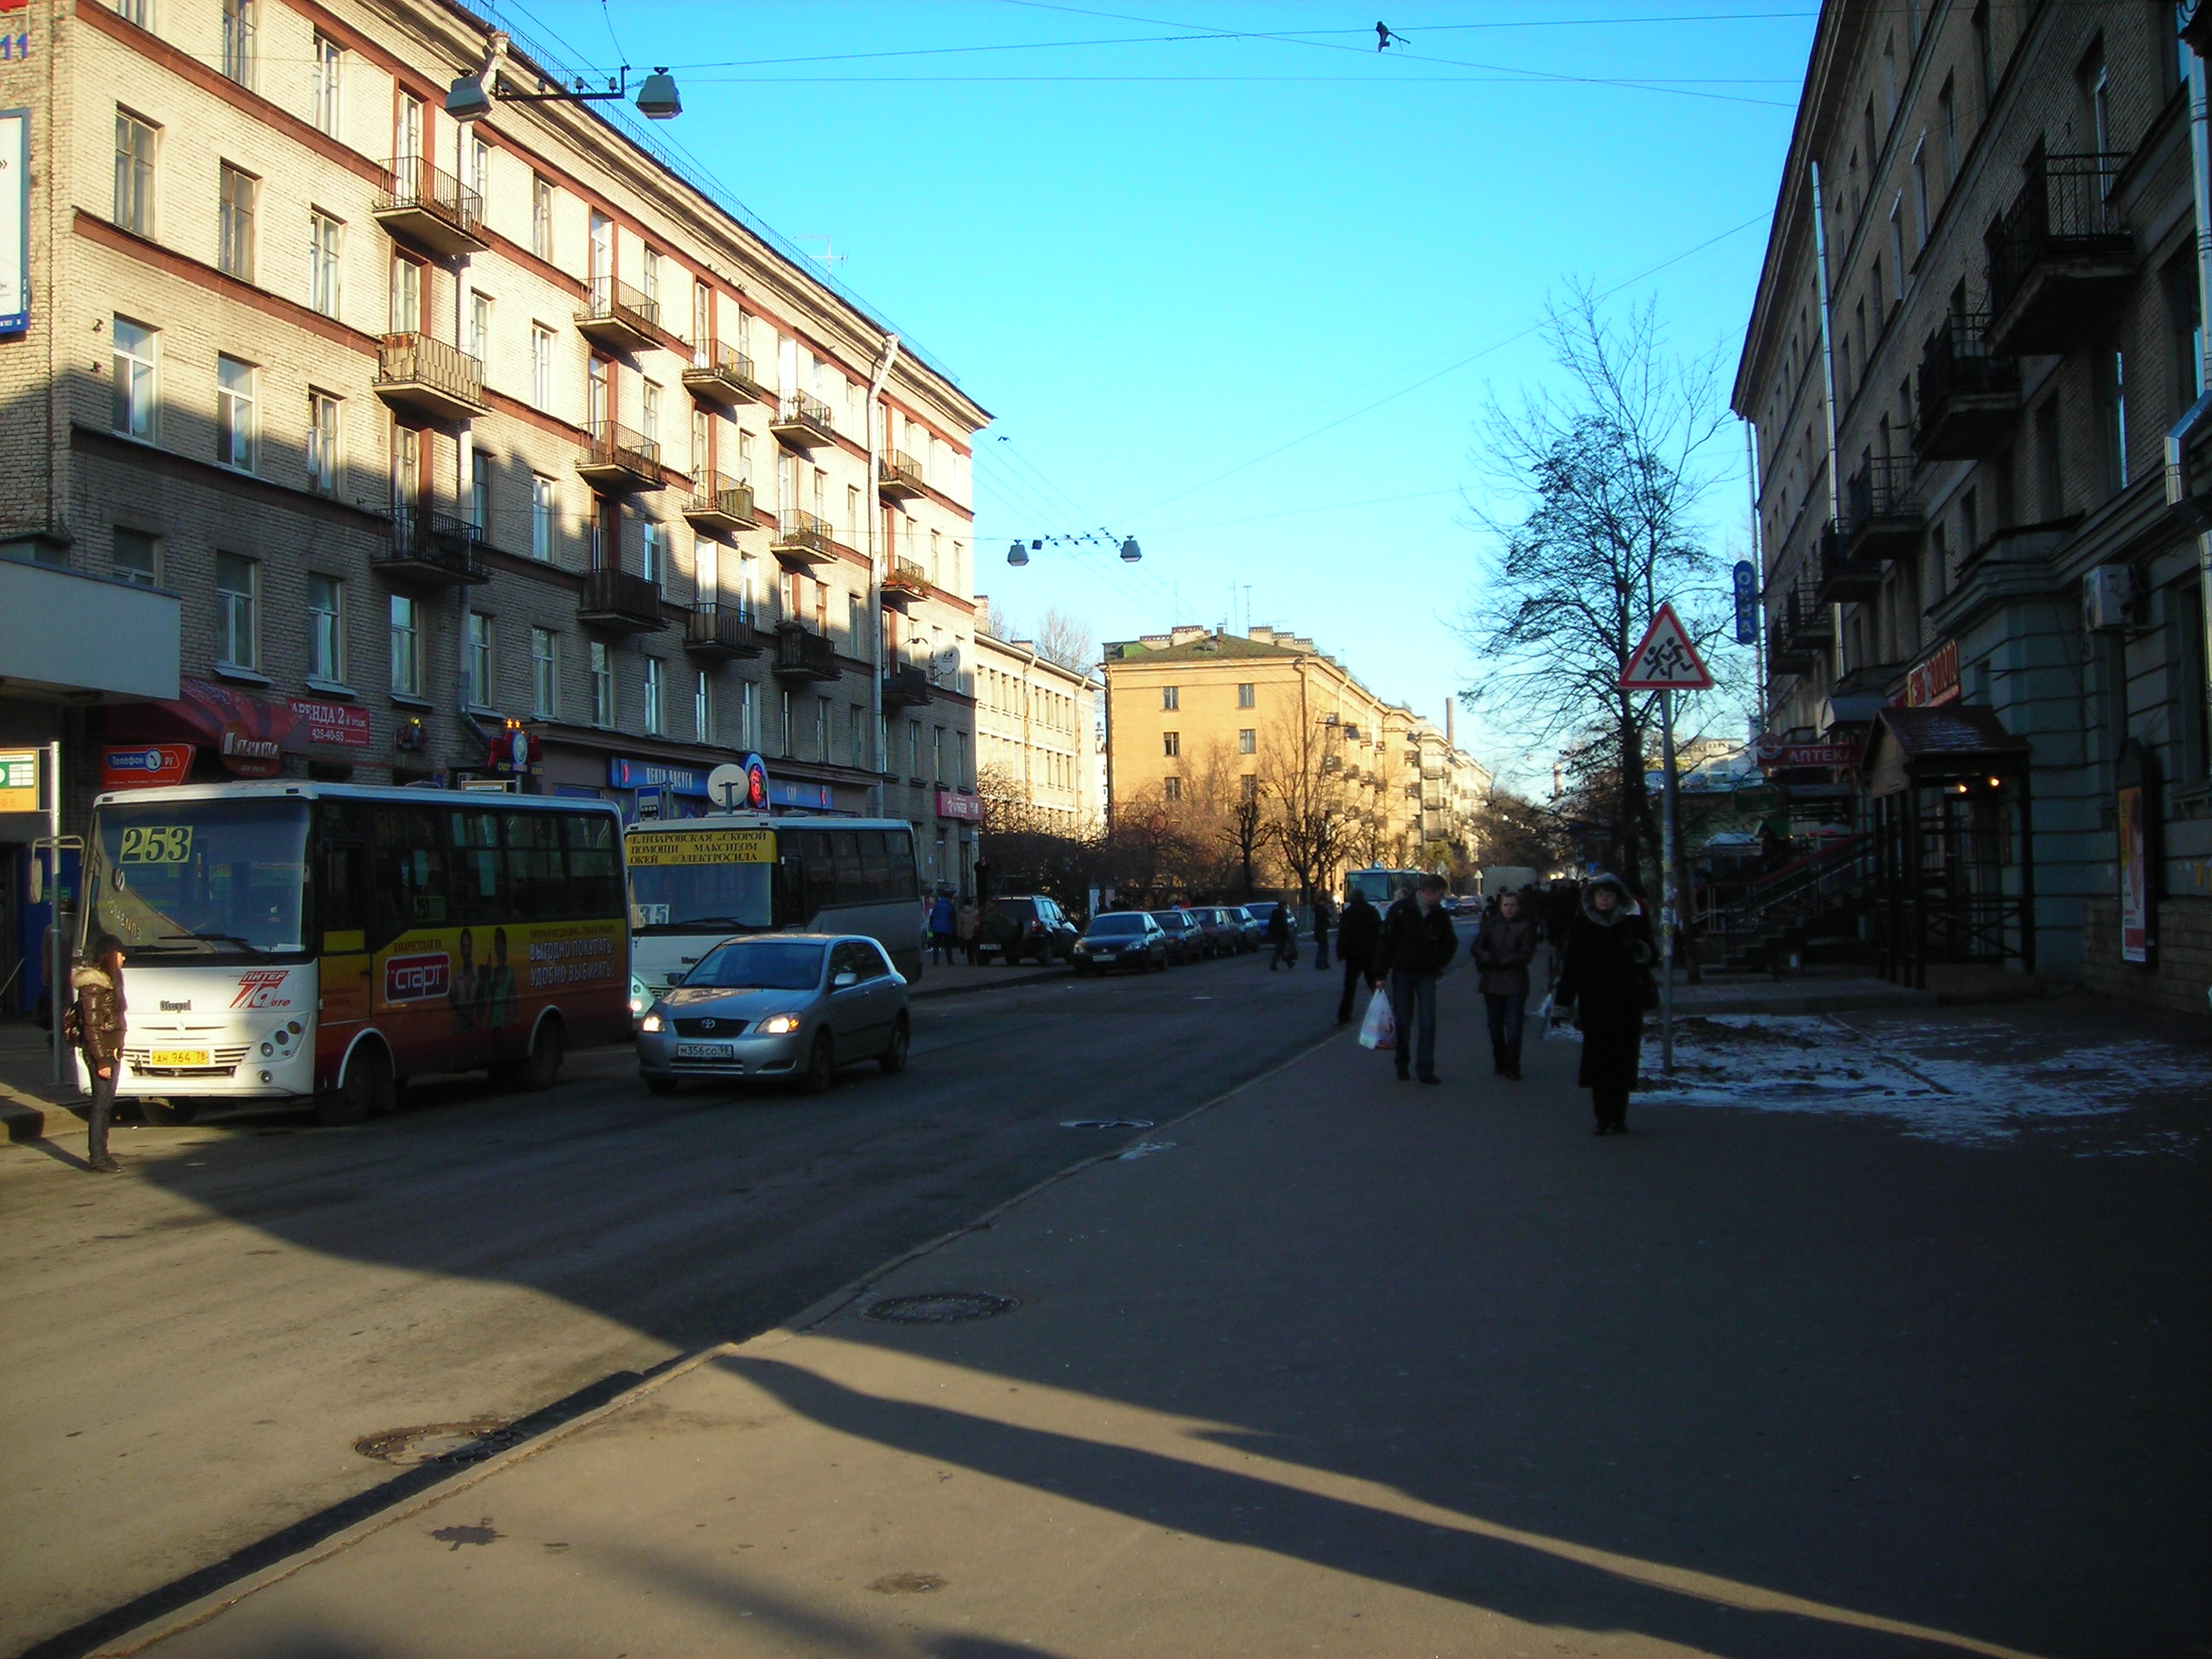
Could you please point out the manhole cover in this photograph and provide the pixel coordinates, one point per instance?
(440, 1443)
(939, 1308)
(1106, 1123)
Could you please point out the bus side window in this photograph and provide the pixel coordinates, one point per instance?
(476, 895)
(821, 871)
(594, 866)
(342, 873)
(875, 867)
(534, 873)
(904, 884)
(408, 871)
(845, 860)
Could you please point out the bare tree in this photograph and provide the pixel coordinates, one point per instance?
(1065, 639)
(1612, 475)
(1310, 807)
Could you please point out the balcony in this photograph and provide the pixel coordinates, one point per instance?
(897, 477)
(1802, 634)
(428, 377)
(620, 603)
(1968, 397)
(723, 376)
(614, 458)
(1883, 519)
(2060, 257)
(905, 582)
(619, 317)
(803, 422)
(433, 549)
(906, 686)
(421, 204)
(803, 537)
(720, 503)
(719, 632)
(803, 655)
(1837, 579)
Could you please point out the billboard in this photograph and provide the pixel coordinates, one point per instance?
(15, 221)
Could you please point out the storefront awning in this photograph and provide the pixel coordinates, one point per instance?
(1954, 741)
(249, 734)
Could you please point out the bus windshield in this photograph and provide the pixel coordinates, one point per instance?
(701, 880)
(200, 878)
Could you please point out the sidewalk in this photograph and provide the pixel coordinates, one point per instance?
(1340, 1365)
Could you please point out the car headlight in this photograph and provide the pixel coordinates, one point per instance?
(779, 1024)
(640, 995)
(650, 1023)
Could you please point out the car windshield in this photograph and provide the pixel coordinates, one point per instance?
(1121, 921)
(760, 965)
(200, 878)
(1171, 920)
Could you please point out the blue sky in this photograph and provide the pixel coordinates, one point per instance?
(1179, 271)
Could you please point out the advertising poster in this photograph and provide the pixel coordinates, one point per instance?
(2135, 876)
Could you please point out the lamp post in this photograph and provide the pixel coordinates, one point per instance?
(470, 96)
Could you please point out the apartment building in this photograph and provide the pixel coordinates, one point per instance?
(1033, 743)
(1989, 297)
(472, 450)
(1211, 717)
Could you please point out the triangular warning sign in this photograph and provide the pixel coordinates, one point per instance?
(1666, 661)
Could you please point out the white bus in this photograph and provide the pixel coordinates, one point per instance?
(1384, 887)
(694, 881)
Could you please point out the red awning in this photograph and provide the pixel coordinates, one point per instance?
(249, 734)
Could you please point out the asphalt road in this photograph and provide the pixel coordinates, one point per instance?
(196, 1347)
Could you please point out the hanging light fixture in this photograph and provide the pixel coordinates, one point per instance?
(1130, 551)
(1017, 554)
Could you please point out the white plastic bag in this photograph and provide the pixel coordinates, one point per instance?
(1380, 1029)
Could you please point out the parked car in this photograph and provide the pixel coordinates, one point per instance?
(1263, 911)
(1249, 928)
(1121, 939)
(1185, 942)
(1030, 925)
(788, 1006)
(1222, 935)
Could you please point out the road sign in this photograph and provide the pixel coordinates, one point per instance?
(1666, 661)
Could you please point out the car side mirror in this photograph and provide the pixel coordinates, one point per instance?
(847, 978)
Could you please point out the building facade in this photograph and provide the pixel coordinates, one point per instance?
(1033, 743)
(484, 451)
(1968, 345)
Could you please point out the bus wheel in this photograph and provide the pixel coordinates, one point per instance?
(541, 1069)
(821, 1065)
(365, 1089)
(893, 1058)
(168, 1114)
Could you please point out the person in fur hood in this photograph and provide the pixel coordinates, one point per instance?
(1607, 979)
(95, 1024)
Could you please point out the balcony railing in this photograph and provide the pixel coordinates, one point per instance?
(430, 208)
(614, 458)
(802, 654)
(803, 421)
(906, 685)
(721, 632)
(620, 603)
(720, 502)
(803, 536)
(620, 316)
(429, 377)
(2060, 252)
(435, 548)
(1882, 520)
(1968, 396)
(897, 476)
(722, 375)
(1807, 629)
(905, 580)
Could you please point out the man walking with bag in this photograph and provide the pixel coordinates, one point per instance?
(95, 1024)
(1357, 929)
(1417, 945)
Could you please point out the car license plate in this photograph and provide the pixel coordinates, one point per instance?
(177, 1057)
(703, 1051)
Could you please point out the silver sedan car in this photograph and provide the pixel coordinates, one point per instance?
(783, 1006)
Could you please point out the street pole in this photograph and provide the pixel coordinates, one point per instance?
(57, 975)
(1669, 898)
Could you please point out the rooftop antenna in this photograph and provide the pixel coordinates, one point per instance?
(830, 257)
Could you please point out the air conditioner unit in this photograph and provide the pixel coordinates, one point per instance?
(2108, 599)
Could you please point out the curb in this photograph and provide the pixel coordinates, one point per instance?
(31, 1120)
(1812, 1002)
(1045, 975)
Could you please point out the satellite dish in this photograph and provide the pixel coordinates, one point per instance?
(949, 660)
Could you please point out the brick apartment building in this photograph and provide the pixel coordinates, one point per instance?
(436, 445)
(1961, 368)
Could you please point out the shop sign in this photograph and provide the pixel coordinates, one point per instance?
(1934, 679)
(145, 767)
(1776, 755)
(19, 780)
(625, 774)
(333, 723)
(784, 792)
(514, 753)
(969, 809)
(249, 755)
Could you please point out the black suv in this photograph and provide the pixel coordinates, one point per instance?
(1029, 926)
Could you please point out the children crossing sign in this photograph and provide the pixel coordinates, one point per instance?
(1666, 661)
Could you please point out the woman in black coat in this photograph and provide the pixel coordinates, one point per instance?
(1607, 979)
(1503, 947)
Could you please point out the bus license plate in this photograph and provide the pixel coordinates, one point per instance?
(177, 1057)
(703, 1051)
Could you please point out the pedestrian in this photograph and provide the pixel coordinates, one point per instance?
(967, 926)
(1606, 981)
(1282, 944)
(95, 1023)
(1503, 947)
(940, 926)
(1323, 917)
(1417, 945)
(1357, 929)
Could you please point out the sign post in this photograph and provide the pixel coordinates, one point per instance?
(1666, 662)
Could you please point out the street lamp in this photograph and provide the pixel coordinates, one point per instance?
(470, 96)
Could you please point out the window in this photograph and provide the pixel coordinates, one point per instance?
(542, 509)
(2184, 330)
(541, 368)
(1245, 696)
(649, 420)
(852, 515)
(1171, 698)
(476, 659)
(2050, 479)
(140, 12)
(322, 442)
(702, 447)
(703, 707)
(748, 586)
(1171, 788)
(653, 695)
(913, 751)
(2185, 651)
(1171, 743)
(1248, 787)
(541, 217)
(656, 568)
(134, 174)
(134, 387)
(1985, 61)
(236, 585)
(234, 192)
(406, 296)
(598, 394)
(1247, 741)
(406, 647)
(1920, 194)
(602, 246)
(325, 629)
(330, 69)
(788, 731)
(749, 731)
(323, 235)
(2113, 417)
(744, 458)
(234, 424)
(480, 492)
(602, 685)
(822, 729)
(545, 673)
(406, 470)
(856, 727)
(479, 170)
(480, 327)
(651, 277)
(407, 137)
(1897, 241)
(136, 557)
(1946, 123)
(237, 29)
